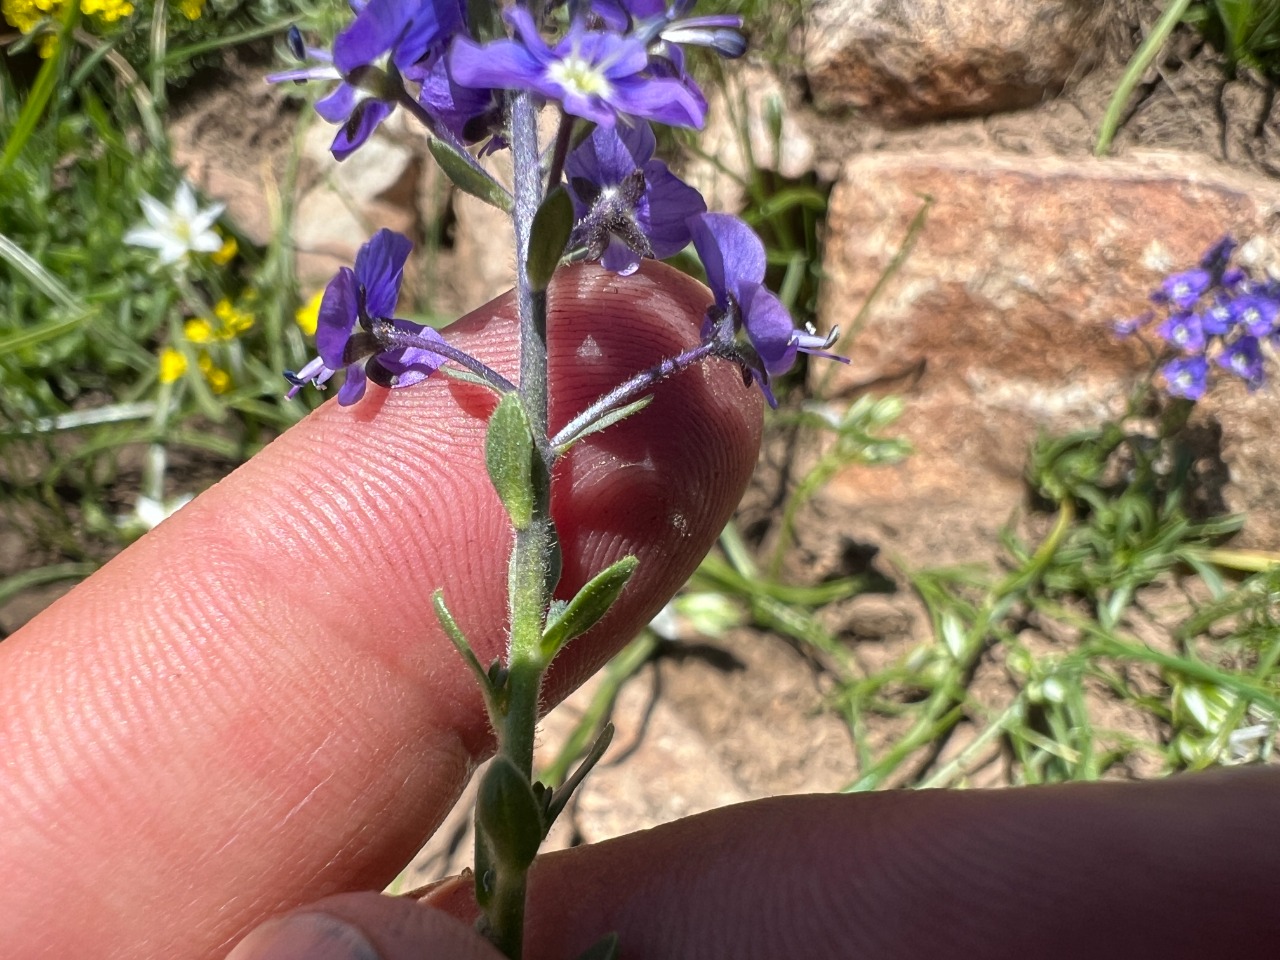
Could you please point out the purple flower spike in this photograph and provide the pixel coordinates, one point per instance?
(594, 74)
(1184, 331)
(734, 259)
(366, 296)
(1244, 359)
(627, 204)
(1186, 377)
(1256, 313)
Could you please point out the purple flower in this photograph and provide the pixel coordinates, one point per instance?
(367, 297)
(471, 114)
(1244, 359)
(386, 38)
(627, 204)
(734, 259)
(594, 74)
(1219, 318)
(1256, 313)
(1186, 377)
(1183, 289)
(1182, 329)
(1131, 325)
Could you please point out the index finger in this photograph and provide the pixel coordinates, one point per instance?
(253, 707)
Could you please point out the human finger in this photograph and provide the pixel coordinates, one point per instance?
(253, 707)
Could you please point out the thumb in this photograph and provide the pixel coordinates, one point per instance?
(253, 706)
(365, 926)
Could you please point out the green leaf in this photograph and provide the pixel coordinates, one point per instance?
(467, 175)
(466, 376)
(508, 453)
(608, 420)
(508, 814)
(591, 603)
(559, 799)
(459, 640)
(548, 237)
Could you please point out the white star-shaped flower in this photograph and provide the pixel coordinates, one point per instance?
(178, 229)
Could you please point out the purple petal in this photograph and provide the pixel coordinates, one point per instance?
(770, 328)
(434, 23)
(620, 258)
(666, 101)
(353, 387)
(367, 116)
(410, 365)
(504, 64)
(376, 29)
(671, 203)
(339, 310)
(337, 106)
(379, 269)
(731, 253)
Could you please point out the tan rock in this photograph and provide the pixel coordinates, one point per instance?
(907, 61)
(748, 127)
(998, 322)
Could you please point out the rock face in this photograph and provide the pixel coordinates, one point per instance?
(998, 321)
(906, 61)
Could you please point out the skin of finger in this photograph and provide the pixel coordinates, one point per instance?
(394, 928)
(1178, 869)
(253, 707)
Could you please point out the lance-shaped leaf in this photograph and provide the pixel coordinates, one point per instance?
(468, 176)
(509, 453)
(552, 225)
(509, 815)
(591, 603)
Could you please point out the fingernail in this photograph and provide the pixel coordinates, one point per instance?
(305, 936)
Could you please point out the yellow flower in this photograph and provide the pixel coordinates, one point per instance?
(233, 320)
(172, 365)
(198, 330)
(25, 14)
(219, 379)
(108, 11)
(227, 252)
(191, 9)
(308, 314)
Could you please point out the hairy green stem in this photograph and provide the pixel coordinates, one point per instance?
(530, 577)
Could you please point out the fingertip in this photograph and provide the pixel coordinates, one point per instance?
(364, 926)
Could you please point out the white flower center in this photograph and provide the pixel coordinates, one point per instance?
(580, 76)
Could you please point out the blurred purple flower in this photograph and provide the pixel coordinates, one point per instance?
(1186, 377)
(1256, 313)
(1182, 330)
(627, 204)
(366, 297)
(594, 74)
(1244, 359)
(1219, 319)
(1183, 289)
